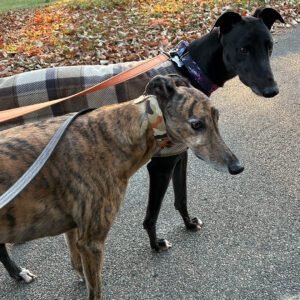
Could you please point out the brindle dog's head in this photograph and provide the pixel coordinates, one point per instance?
(247, 47)
(190, 119)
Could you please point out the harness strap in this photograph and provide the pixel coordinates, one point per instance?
(141, 68)
(35, 168)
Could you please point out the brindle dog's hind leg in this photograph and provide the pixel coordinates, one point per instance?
(160, 172)
(92, 251)
(180, 191)
(12, 268)
(71, 239)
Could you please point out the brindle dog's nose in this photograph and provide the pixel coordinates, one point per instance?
(234, 167)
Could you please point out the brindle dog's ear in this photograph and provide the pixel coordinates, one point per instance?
(227, 20)
(163, 87)
(268, 15)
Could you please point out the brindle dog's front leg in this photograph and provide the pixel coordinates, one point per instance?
(180, 191)
(91, 251)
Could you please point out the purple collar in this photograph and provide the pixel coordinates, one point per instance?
(181, 57)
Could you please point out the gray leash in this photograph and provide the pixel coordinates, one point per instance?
(35, 168)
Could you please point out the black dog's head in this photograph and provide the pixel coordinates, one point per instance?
(247, 47)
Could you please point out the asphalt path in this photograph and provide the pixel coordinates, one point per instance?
(249, 247)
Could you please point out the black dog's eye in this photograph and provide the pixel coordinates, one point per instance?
(198, 125)
(244, 50)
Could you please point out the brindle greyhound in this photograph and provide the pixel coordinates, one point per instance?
(236, 46)
(81, 195)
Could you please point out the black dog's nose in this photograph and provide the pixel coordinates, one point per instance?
(234, 167)
(270, 92)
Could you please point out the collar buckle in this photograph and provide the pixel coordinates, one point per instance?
(182, 58)
(177, 61)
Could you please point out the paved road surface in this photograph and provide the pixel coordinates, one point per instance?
(249, 247)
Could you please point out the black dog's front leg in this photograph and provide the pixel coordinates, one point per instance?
(12, 268)
(180, 191)
(160, 171)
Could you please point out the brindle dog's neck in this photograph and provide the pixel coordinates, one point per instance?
(125, 129)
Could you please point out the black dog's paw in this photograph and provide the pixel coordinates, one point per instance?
(161, 245)
(195, 224)
(26, 276)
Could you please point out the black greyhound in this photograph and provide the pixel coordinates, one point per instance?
(236, 46)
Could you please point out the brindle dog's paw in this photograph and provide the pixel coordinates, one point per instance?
(195, 224)
(26, 276)
(162, 245)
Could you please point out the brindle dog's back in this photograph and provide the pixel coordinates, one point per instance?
(19, 147)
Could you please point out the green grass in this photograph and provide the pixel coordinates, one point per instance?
(18, 4)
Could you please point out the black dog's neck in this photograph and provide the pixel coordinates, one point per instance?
(207, 52)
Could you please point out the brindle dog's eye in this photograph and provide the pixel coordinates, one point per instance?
(244, 50)
(198, 125)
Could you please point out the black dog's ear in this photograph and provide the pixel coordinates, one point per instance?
(268, 15)
(227, 20)
(163, 87)
(179, 80)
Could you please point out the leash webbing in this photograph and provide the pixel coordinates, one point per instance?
(34, 169)
(141, 68)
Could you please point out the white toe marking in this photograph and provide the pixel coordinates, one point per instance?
(168, 244)
(199, 222)
(26, 275)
